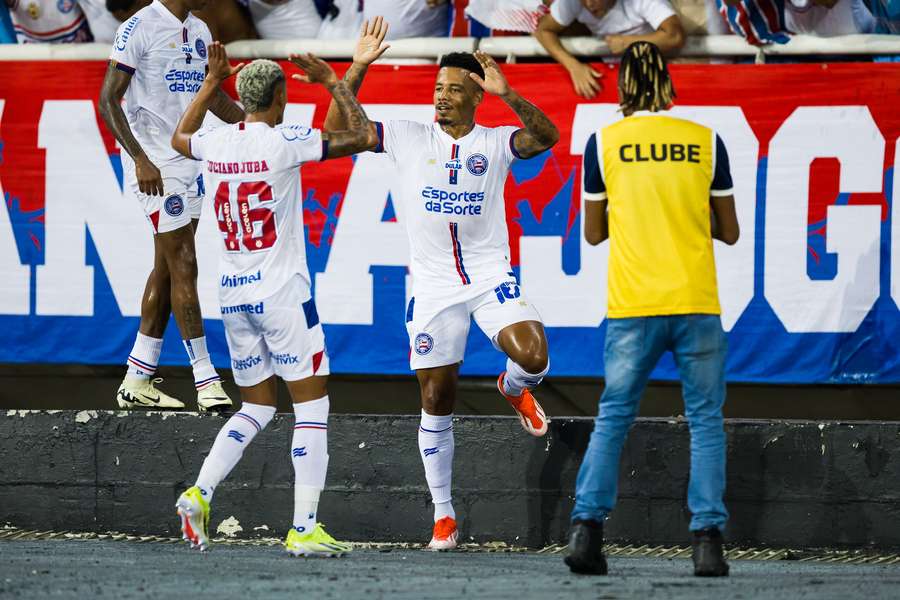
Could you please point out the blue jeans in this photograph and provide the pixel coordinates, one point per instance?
(633, 347)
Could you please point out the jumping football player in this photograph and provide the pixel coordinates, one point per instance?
(271, 322)
(451, 178)
(157, 64)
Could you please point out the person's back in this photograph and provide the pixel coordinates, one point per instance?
(659, 171)
(251, 169)
(659, 189)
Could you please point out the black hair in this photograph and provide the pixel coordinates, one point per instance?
(644, 80)
(462, 60)
(114, 5)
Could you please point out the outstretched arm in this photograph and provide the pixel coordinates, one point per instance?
(539, 133)
(368, 49)
(354, 138)
(584, 77)
(192, 119)
(115, 83)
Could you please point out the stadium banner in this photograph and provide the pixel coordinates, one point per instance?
(810, 293)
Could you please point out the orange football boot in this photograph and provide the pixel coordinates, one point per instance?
(531, 415)
(445, 535)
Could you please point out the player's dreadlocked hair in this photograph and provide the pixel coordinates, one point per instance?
(256, 84)
(462, 60)
(644, 81)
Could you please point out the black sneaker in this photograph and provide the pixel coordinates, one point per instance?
(709, 558)
(586, 548)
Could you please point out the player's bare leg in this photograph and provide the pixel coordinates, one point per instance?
(138, 388)
(525, 343)
(178, 251)
(438, 391)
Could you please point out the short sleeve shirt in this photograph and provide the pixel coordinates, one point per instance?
(626, 17)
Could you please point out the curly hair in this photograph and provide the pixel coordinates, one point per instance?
(256, 84)
(644, 81)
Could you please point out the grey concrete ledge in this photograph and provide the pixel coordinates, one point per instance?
(790, 483)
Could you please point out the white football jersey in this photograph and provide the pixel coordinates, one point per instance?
(167, 60)
(410, 18)
(252, 172)
(452, 194)
(103, 24)
(284, 19)
(48, 21)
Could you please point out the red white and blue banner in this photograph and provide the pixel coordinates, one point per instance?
(810, 293)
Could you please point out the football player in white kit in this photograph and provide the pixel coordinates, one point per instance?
(157, 64)
(451, 175)
(271, 322)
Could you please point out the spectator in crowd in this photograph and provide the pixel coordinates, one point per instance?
(618, 22)
(827, 18)
(104, 21)
(342, 20)
(885, 15)
(762, 22)
(284, 19)
(7, 35)
(411, 18)
(48, 21)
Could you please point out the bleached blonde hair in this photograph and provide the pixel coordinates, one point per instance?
(256, 84)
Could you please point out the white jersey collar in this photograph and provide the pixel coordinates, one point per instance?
(167, 14)
(450, 137)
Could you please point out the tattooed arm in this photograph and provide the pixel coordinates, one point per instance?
(225, 108)
(354, 137)
(115, 83)
(539, 133)
(368, 49)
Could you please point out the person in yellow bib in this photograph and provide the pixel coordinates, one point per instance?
(659, 188)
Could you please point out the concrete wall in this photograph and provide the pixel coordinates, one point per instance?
(799, 484)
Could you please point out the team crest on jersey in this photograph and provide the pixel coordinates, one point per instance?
(423, 344)
(34, 11)
(65, 6)
(477, 164)
(201, 48)
(174, 205)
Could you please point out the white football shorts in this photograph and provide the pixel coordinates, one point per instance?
(183, 197)
(280, 335)
(438, 326)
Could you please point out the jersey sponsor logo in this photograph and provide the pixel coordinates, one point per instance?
(184, 81)
(507, 291)
(452, 203)
(125, 33)
(229, 168)
(659, 153)
(454, 164)
(430, 451)
(237, 435)
(174, 205)
(294, 133)
(477, 164)
(254, 309)
(423, 344)
(233, 281)
(285, 358)
(242, 364)
(200, 47)
(65, 6)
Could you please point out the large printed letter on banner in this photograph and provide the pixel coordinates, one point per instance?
(849, 134)
(15, 278)
(82, 193)
(569, 300)
(345, 290)
(734, 264)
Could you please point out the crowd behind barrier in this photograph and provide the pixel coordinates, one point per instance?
(758, 22)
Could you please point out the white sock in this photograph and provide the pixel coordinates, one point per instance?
(204, 373)
(309, 454)
(229, 446)
(436, 446)
(144, 357)
(518, 379)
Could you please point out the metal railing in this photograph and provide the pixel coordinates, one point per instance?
(509, 48)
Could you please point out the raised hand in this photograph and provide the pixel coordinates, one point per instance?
(494, 81)
(219, 67)
(316, 69)
(371, 44)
